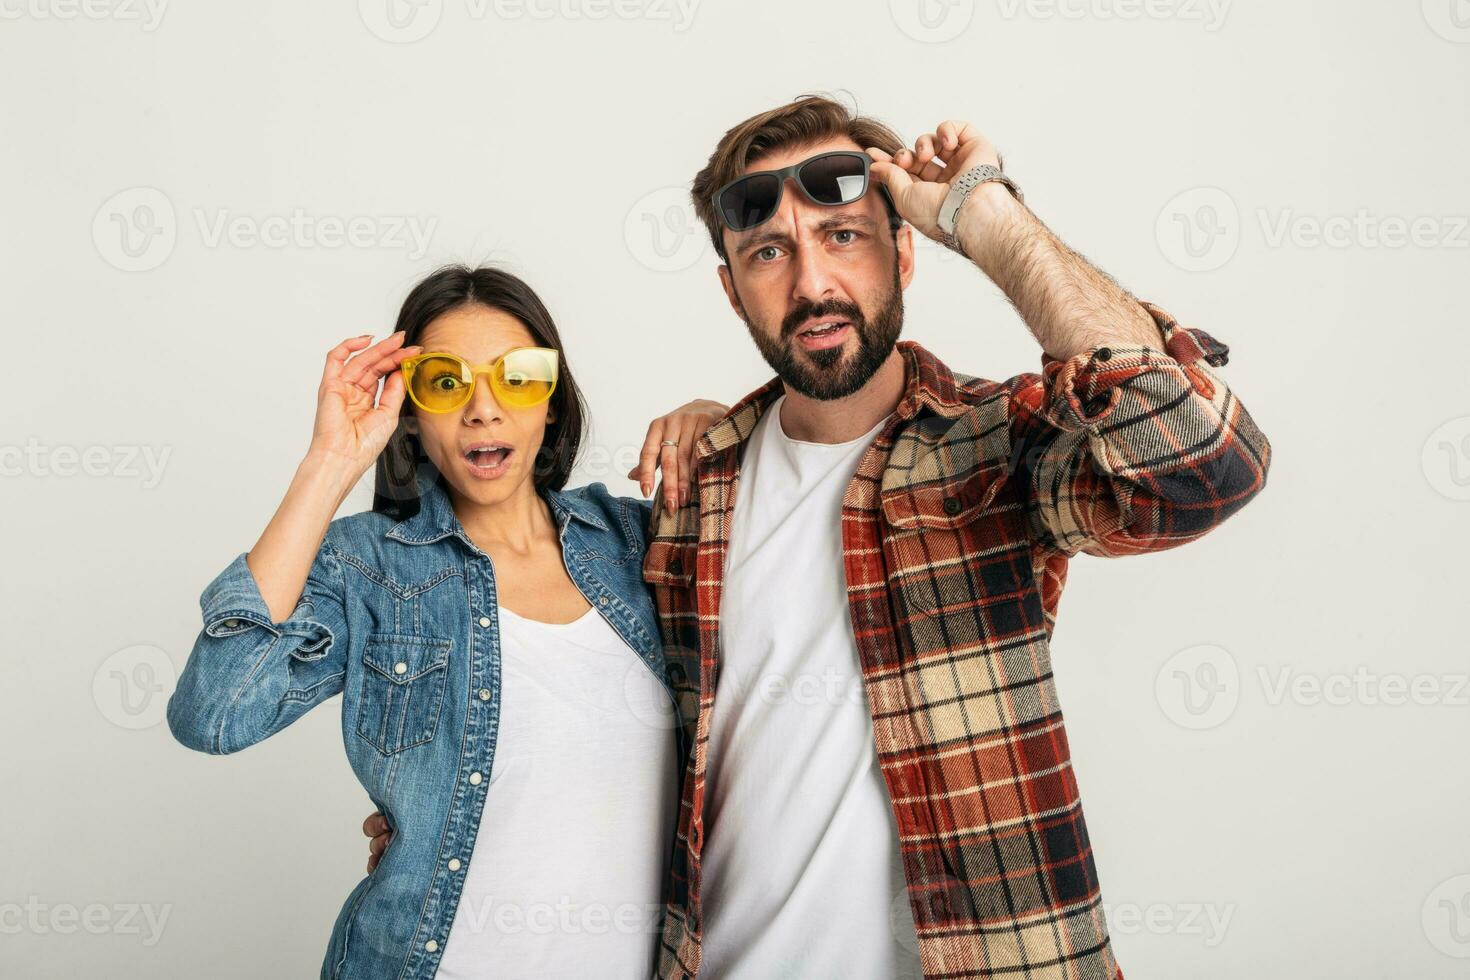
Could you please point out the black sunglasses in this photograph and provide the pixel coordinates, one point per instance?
(829, 179)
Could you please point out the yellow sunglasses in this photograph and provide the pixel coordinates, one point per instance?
(519, 378)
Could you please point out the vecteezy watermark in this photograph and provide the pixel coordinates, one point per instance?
(1450, 19)
(120, 462)
(1207, 920)
(937, 21)
(148, 14)
(132, 686)
(1210, 13)
(561, 917)
(136, 230)
(1362, 686)
(663, 233)
(1446, 917)
(1198, 687)
(1446, 459)
(1200, 230)
(406, 21)
(64, 918)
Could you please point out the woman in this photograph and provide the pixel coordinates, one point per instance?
(492, 638)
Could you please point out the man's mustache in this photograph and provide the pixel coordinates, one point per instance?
(828, 307)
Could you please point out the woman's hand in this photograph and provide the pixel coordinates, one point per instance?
(376, 827)
(349, 427)
(684, 426)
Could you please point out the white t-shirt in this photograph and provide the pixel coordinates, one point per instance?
(801, 874)
(567, 870)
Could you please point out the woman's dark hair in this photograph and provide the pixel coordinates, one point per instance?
(395, 485)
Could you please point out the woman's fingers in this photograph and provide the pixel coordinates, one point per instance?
(648, 456)
(337, 356)
(668, 462)
(365, 369)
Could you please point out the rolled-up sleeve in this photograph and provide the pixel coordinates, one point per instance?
(1132, 449)
(247, 676)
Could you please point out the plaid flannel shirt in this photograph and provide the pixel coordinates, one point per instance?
(956, 532)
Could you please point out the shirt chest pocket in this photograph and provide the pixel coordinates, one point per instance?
(403, 680)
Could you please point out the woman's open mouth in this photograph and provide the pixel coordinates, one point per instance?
(488, 460)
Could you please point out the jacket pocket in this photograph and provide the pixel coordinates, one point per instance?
(403, 682)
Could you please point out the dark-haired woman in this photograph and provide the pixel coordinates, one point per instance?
(504, 701)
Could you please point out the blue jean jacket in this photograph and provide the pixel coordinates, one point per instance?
(400, 618)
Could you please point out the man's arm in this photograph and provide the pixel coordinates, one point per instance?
(1128, 439)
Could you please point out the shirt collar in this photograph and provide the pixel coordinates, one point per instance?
(928, 384)
(436, 518)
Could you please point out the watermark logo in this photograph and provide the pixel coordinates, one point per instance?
(1446, 459)
(1207, 921)
(40, 918)
(120, 462)
(1450, 19)
(1199, 687)
(662, 232)
(135, 230)
(400, 21)
(1446, 917)
(1199, 230)
(132, 687)
(932, 21)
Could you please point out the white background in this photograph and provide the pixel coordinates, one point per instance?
(1190, 151)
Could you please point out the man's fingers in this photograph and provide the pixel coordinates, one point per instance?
(375, 824)
(894, 177)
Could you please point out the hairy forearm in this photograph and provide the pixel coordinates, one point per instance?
(1068, 304)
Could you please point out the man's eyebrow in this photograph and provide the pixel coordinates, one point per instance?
(842, 219)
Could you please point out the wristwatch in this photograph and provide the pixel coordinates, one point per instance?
(960, 188)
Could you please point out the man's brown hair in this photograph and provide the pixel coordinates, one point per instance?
(809, 119)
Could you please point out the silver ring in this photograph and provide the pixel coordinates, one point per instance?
(670, 442)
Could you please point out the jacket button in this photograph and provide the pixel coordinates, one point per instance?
(952, 505)
(475, 778)
(676, 673)
(1104, 353)
(676, 567)
(431, 946)
(602, 601)
(484, 694)
(454, 864)
(231, 623)
(400, 668)
(485, 621)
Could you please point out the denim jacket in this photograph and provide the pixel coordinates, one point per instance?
(400, 618)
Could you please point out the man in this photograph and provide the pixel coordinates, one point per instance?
(857, 598)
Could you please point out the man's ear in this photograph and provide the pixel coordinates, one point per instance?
(905, 241)
(730, 294)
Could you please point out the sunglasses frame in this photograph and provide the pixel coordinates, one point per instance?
(410, 364)
(794, 172)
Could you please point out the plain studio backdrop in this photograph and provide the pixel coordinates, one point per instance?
(199, 199)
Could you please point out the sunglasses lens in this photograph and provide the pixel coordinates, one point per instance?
(525, 377)
(835, 179)
(440, 383)
(748, 202)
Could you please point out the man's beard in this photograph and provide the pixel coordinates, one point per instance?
(826, 376)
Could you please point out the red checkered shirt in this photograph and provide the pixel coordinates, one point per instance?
(956, 531)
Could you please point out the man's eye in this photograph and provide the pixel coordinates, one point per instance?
(767, 254)
(844, 236)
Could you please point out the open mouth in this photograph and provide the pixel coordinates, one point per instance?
(823, 333)
(488, 460)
